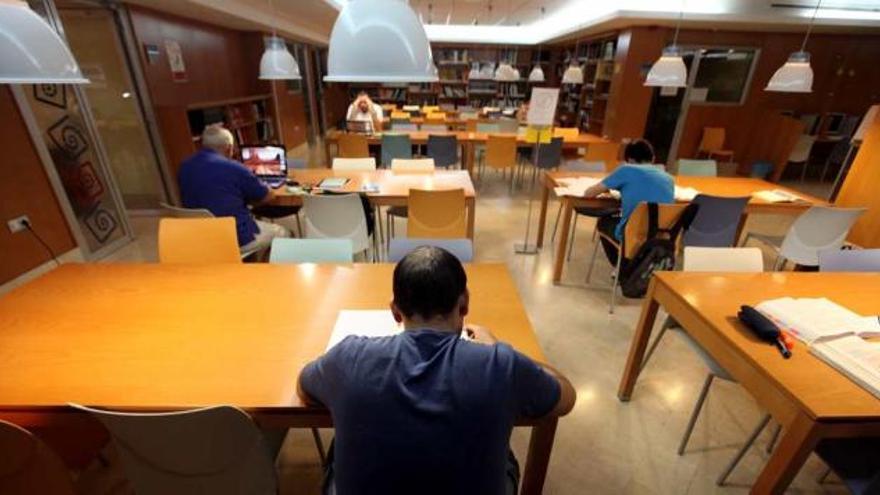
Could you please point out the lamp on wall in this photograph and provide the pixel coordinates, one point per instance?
(796, 75)
(33, 53)
(669, 71)
(379, 40)
(277, 62)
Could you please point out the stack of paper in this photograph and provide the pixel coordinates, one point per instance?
(855, 357)
(776, 196)
(575, 186)
(685, 193)
(815, 319)
(365, 323)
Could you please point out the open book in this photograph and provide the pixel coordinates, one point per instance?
(577, 186)
(776, 196)
(685, 193)
(833, 333)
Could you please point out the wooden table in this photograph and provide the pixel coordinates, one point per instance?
(152, 337)
(393, 187)
(807, 397)
(715, 186)
(468, 141)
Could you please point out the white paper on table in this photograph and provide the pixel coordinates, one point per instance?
(817, 319)
(685, 193)
(776, 196)
(364, 323)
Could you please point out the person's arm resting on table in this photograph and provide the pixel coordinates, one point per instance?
(612, 181)
(254, 191)
(315, 385)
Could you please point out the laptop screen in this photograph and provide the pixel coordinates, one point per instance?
(265, 161)
(359, 126)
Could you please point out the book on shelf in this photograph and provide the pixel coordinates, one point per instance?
(835, 334)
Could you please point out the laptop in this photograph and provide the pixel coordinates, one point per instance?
(267, 161)
(359, 126)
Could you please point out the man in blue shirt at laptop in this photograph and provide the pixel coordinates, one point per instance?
(638, 181)
(426, 411)
(211, 179)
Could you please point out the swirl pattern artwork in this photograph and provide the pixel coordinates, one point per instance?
(68, 137)
(51, 94)
(101, 223)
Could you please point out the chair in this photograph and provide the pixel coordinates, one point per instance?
(849, 260)
(488, 127)
(566, 132)
(404, 127)
(717, 221)
(468, 115)
(821, 228)
(447, 107)
(501, 153)
(508, 126)
(434, 128)
(801, 153)
(28, 466)
(443, 149)
(634, 235)
(761, 170)
(588, 211)
(216, 450)
(354, 164)
(463, 249)
(168, 210)
(710, 259)
(605, 152)
(435, 117)
(855, 460)
(712, 144)
(337, 217)
(412, 165)
(198, 240)
(545, 156)
(696, 168)
(395, 146)
(429, 109)
(437, 214)
(311, 251)
(352, 146)
(399, 114)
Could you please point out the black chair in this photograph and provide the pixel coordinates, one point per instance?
(717, 221)
(443, 149)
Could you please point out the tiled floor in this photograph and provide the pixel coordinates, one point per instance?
(603, 446)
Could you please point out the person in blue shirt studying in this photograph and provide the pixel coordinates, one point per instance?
(427, 411)
(638, 181)
(212, 180)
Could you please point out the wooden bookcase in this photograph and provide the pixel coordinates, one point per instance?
(585, 105)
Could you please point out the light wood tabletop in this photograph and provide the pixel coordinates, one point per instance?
(393, 187)
(807, 397)
(148, 337)
(714, 186)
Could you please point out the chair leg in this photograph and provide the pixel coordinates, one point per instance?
(614, 283)
(745, 239)
(772, 442)
(739, 455)
(667, 324)
(592, 262)
(779, 264)
(695, 413)
(299, 227)
(804, 172)
(574, 221)
(320, 445)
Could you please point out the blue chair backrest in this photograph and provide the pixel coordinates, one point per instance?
(850, 260)
(311, 251)
(716, 223)
(549, 155)
(443, 149)
(395, 146)
(488, 127)
(404, 127)
(697, 168)
(761, 170)
(463, 249)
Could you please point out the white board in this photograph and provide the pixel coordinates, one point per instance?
(869, 119)
(542, 106)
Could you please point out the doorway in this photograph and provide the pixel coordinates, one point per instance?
(664, 115)
(93, 34)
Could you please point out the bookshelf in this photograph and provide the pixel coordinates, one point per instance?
(249, 119)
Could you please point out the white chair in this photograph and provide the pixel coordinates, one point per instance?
(701, 259)
(354, 164)
(463, 249)
(818, 229)
(337, 217)
(217, 450)
(412, 165)
(801, 152)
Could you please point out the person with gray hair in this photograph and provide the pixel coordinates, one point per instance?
(212, 180)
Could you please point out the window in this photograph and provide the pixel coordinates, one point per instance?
(723, 75)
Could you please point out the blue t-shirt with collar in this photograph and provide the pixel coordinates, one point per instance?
(637, 184)
(425, 411)
(224, 187)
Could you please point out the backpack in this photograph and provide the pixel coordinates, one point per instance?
(656, 253)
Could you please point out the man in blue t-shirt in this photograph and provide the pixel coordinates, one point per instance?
(638, 182)
(210, 179)
(426, 411)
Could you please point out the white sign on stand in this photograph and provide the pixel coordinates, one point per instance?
(542, 106)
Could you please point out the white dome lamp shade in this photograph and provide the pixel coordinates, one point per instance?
(574, 74)
(33, 53)
(277, 61)
(537, 74)
(796, 75)
(379, 41)
(669, 71)
(505, 73)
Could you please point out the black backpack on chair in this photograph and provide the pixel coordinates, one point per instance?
(656, 253)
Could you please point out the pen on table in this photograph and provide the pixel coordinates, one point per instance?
(780, 344)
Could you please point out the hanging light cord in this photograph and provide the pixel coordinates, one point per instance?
(810, 27)
(272, 10)
(678, 24)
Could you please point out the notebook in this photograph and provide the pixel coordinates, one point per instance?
(333, 183)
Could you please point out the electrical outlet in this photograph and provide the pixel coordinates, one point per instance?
(17, 224)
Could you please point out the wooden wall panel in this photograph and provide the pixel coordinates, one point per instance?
(25, 190)
(292, 112)
(630, 100)
(860, 190)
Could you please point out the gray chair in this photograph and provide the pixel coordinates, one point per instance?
(443, 149)
(508, 125)
(404, 126)
(855, 460)
(849, 260)
(395, 146)
(216, 450)
(544, 156)
(435, 128)
(463, 249)
(717, 221)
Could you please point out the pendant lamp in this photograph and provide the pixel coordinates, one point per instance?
(379, 41)
(33, 53)
(669, 71)
(277, 62)
(537, 73)
(574, 74)
(796, 75)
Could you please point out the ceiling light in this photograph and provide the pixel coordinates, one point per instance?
(379, 40)
(505, 73)
(796, 75)
(537, 74)
(277, 62)
(573, 74)
(33, 53)
(669, 71)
